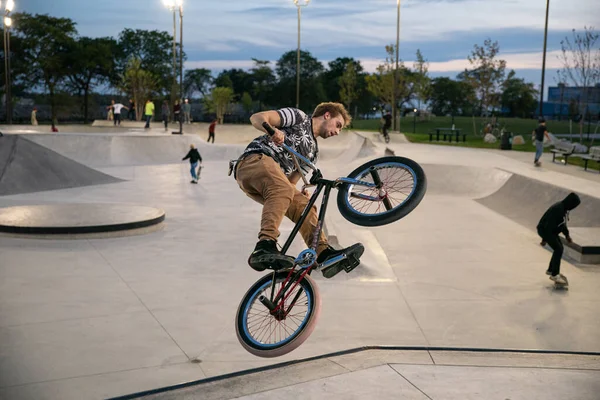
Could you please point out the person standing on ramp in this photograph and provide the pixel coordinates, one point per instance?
(552, 223)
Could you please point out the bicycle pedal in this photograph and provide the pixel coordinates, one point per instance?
(332, 270)
(353, 263)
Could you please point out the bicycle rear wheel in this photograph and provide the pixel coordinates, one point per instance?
(403, 185)
(266, 335)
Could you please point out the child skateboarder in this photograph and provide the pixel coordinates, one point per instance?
(195, 158)
(553, 222)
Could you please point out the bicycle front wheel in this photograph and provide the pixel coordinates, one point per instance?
(267, 334)
(403, 185)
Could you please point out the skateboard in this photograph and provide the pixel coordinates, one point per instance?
(199, 170)
(564, 286)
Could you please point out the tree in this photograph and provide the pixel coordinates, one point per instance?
(139, 83)
(237, 79)
(154, 49)
(263, 81)
(219, 100)
(518, 96)
(487, 74)
(381, 83)
(451, 97)
(197, 81)
(422, 81)
(335, 70)
(247, 102)
(311, 86)
(581, 61)
(348, 82)
(45, 43)
(90, 63)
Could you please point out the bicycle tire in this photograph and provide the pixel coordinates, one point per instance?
(299, 336)
(404, 207)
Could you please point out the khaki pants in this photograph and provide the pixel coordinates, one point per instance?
(261, 178)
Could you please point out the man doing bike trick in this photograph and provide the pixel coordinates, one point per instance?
(266, 173)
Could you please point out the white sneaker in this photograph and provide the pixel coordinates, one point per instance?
(558, 278)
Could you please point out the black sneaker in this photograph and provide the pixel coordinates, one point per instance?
(351, 261)
(266, 255)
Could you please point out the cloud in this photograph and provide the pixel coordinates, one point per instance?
(516, 61)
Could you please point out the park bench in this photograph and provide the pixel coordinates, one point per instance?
(447, 133)
(593, 154)
(562, 149)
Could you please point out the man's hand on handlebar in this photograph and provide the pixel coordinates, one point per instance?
(278, 137)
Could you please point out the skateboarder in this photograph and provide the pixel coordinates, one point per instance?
(195, 158)
(553, 222)
(539, 134)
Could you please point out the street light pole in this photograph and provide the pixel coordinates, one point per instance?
(10, 4)
(180, 5)
(396, 123)
(299, 4)
(174, 84)
(414, 120)
(180, 49)
(544, 61)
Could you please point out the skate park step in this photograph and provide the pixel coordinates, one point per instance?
(77, 219)
(586, 245)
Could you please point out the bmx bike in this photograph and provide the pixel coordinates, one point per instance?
(384, 131)
(280, 311)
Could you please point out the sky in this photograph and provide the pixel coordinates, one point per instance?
(229, 33)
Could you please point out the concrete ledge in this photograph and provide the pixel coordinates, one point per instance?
(68, 219)
(586, 245)
(290, 373)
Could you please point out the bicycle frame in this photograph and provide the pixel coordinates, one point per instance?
(276, 302)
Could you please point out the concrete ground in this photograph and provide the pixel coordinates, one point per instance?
(97, 318)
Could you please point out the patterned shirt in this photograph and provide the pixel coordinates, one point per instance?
(297, 127)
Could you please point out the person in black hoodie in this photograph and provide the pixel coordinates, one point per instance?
(194, 157)
(553, 222)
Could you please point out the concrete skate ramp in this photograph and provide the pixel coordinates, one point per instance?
(463, 181)
(27, 167)
(104, 150)
(122, 150)
(524, 200)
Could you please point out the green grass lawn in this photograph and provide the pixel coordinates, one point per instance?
(515, 125)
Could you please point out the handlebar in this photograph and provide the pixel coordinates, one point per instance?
(317, 174)
(293, 152)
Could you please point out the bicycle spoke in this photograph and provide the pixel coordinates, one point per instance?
(265, 327)
(398, 184)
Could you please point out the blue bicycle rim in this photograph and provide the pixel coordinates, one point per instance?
(265, 346)
(406, 167)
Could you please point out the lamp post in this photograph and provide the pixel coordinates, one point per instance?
(180, 5)
(174, 5)
(544, 61)
(414, 120)
(299, 4)
(396, 123)
(7, 20)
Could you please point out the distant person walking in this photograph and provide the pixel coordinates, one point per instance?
(131, 112)
(195, 158)
(34, 120)
(177, 113)
(110, 115)
(211, 131)
(117, 112)
(165, 113)
(187, 109)
(148, 112)
(539, 133)
(553, 222)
